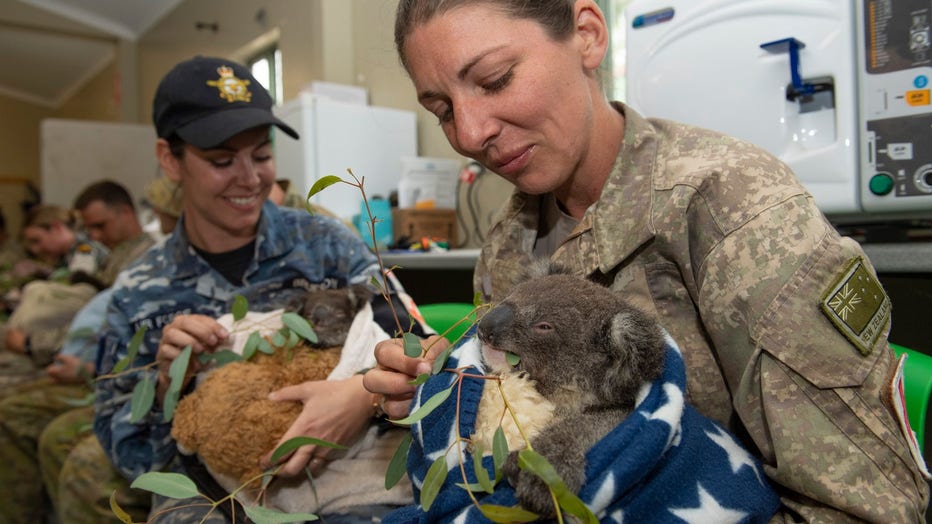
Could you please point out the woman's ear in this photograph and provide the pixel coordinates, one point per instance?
(592, 31)
(169, 163)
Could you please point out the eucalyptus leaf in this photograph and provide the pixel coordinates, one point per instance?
(293, 340)
(323, 183)
(412, 343)
(376, 283)
(294, 443)
(143, 398)
(396, 468)
(300, 325)
(420, 379)
(171, 485)
(477, 299)
(240, 307)
(124, 517)
(262, 515)
(433, 481)
(278, 339)
(220, 358)
(251, 345)
(426, 408)
(499, 451)
(265, 347)
(441, 361)
(87, 400)
(176, 372)
(131, 350)
(512, 359)
(505, 514)
(482, 474)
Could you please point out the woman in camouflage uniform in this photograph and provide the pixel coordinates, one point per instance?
(782, 322)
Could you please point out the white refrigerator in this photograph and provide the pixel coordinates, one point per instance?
(336, 136)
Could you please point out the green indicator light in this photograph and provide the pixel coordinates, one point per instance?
(881, 184)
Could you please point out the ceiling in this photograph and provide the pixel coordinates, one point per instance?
(51, 48)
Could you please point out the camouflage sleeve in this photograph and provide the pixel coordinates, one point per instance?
(133, 447)
(811, 387)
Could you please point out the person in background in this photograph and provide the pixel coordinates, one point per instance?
(214, 121)
(714, 236)
(51, 234)
(164, 197)
(11, 251)
(26, 412)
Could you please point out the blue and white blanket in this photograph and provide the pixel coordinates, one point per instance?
(664, 463)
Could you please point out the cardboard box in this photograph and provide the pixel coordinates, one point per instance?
(438, 224)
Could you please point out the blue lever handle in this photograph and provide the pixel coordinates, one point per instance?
(791, 46)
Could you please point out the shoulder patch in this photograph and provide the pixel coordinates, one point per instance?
(857, 305)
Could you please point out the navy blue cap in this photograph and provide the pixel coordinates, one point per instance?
(206, 101)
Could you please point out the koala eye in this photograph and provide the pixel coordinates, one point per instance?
(543, 326)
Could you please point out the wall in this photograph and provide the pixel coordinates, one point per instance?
(345, 41)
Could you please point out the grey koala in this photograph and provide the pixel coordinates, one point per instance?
(589, 352)
(331, 312)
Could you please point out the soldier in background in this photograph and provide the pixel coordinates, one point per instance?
(782, 323)
(164, 197)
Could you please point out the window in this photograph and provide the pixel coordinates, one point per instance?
(614, 80)
(267, 68)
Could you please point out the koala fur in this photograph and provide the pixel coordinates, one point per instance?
(585, 351)
(229, 421)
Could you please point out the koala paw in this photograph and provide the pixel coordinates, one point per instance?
(531, 491)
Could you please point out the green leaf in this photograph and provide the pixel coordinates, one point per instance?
(176, 372)
(499, 451)
(142, 399)
(171, 485)
(294, 443)
(87, 400)
(397, 466)
(482, 474)
(420, 379)
(221, 358)
(376, 283)
(251, 345)
(240, 307)
(261, 515)
(413, 347)
(441, 361)
(512, 359)
(300, 325)
(124, 517)
(433, 481)
(265, 347)
(537, 464)
(323, 183)
(278, 339)
(426, 408)
(506, 514)
(131, 350)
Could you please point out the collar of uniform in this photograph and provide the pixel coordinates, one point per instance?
(271, 238)
(621, 219)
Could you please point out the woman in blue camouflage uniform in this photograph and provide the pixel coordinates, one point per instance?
(713, 235)
(213, 121)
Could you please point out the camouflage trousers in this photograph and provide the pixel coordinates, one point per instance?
(39, 426)
(16, 369)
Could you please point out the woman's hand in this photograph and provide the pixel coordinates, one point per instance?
(69, 369)
(15, 340)
(337, 411)
(391, 379)
(204, 334)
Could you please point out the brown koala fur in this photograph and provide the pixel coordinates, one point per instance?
(229, 420)
(583, 349)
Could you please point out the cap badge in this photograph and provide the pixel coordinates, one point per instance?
(231, 89)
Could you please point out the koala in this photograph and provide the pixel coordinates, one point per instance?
(587, 352)
(229, 421)
(331, 312)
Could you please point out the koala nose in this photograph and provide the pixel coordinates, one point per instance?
(494, 321)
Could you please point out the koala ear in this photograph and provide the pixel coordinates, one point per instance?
(359, 295)
(637, 353)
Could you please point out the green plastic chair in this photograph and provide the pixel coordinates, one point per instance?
(917, 386)
(444, 316)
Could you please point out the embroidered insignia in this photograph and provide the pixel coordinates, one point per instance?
(857, 305)
(231, 89)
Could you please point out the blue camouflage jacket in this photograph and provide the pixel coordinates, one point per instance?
(295, 252)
